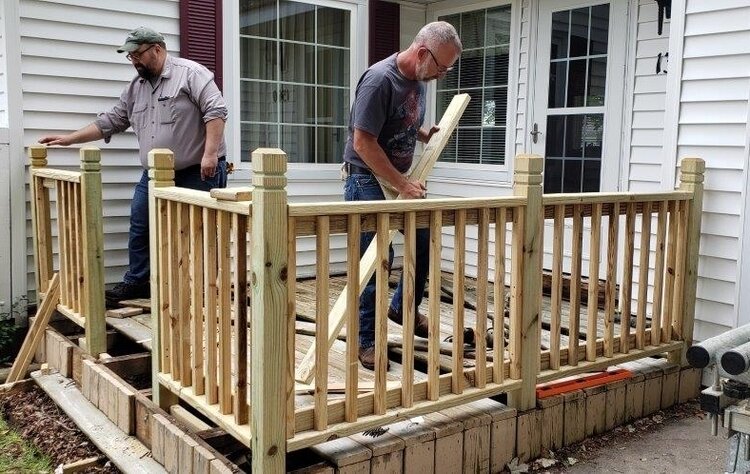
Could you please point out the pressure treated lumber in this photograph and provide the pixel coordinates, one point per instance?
(421, 170)
(36, 331)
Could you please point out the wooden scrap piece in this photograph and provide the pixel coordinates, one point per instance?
(419, 443)
(596, 398)
(574, 413)
(529, 435)
(615, 404)
(387, 451)
(241, 193)
(123, 312)
(449, 443)
(346, 454)
(690, 384)
(552, 425)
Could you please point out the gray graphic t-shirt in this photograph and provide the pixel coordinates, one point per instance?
(392, 108)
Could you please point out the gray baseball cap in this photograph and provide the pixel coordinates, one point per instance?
(139, 36)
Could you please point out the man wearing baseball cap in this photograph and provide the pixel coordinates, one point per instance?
(172, 103)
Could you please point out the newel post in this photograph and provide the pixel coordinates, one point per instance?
(691, 179)
(269, 305)
(160, 175)
(41, 224)
(526, 286)
(93, 251)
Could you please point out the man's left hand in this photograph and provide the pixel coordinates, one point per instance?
(208, 166)
(424, 136)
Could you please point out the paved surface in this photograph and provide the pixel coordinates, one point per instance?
(680, 446)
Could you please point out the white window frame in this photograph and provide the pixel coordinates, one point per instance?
(481, 173)
(231, 38)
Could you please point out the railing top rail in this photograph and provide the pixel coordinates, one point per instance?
(57, 175)
(369, 207)
(606, 198)
(203, 199)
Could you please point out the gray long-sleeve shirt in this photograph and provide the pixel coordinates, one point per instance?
(171, 114)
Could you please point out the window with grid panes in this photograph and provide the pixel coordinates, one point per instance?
(481, 72)
(294, 79)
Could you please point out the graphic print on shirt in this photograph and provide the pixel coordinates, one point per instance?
(402, 144)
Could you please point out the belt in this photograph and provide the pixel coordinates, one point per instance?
(354, 169)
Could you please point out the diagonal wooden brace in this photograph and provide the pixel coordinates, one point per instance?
(420, 171)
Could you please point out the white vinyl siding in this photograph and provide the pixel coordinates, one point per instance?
(70, 72)
(713, 114)
(3, 70)
(645, 151)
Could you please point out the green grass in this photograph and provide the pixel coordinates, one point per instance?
(16, 455)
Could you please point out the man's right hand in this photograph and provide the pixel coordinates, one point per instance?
(413, 190)
(62, 140)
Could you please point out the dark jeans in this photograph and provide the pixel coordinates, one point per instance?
(364, 187)
(138, 243)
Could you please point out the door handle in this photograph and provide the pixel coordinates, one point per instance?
(535, 133)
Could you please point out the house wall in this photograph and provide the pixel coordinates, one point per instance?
(3, 70)
(711, 91)
(70, 72)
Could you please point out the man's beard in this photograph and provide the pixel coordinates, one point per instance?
(421, 71)
(144, 72)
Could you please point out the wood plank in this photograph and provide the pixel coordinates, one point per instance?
(575, 285)
(627, 277)
(322, 263)
(459, 262)
(225, 319)
(243, 193)
(558, 238)
(123, 312)
(656, 311)
(185, 319)
(36, 331)
(433, 366)
(419, 172)
(408, 310)
(482, 277)
(498, 318)
(592, 309)
(611, 292)
(291, 302)
(197, 291)
(667, 317)
(241, 318)
(645, 251)
(210, 296)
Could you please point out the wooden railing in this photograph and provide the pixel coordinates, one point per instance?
(78, 224)
(236, 362)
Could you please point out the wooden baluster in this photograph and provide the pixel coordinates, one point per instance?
(211, 294)
(691, 179)
(645, 253)
(482, 274)
(76, 247)
(183, 269)
(381, 313)
(558, 244)
(270, 391)
(656, 314)
(62, 241)
(40, 221)
(575, 286)
(225, 317)
(353, 236)
(175, 329)
(526, 293)
(240, 407)
(627, 279)
(161, 174)
(680, 267)
(668, 317)
(196, 298)
(291, 298)
(593, 293)
(407, 361)
(498, 321)
(433, 340)
(93, 251)
(322, 253)
(459, 269)
(610, 291)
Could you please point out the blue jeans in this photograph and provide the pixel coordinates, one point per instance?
(364, 187)
(138, 242)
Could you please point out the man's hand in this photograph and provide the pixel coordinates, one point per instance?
(424, 136)
(209, 163)
(413, 190)
(62, 140)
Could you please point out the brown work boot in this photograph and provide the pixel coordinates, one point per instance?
(421, 323)
(367, 358)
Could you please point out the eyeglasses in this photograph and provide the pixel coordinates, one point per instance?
(441, 69)
(137, 55)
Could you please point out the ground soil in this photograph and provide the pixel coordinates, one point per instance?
(39, 421)
(676, 440)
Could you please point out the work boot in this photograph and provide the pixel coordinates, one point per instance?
(421, 323)
(127, 291)
(367, 358)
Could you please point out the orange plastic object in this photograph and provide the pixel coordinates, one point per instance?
(580, 382)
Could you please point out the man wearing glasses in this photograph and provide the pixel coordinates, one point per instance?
(172, 103)
(384, 126)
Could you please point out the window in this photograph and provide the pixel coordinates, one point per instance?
(482, 72)
(294, 79)
(575, 121)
